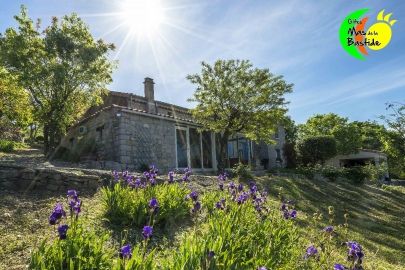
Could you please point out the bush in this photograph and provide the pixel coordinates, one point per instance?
(376, 173)
(242, 171)
(129, 206)
(357, 175)
(316, 149)
(9, 146)
(6, 146)
(308, 172)
(331, 173)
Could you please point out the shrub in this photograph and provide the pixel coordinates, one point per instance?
(308, 172)
(357, 175)
(375, 173)
(316, 149)
(6, 146)
(9, 146)
(126, 205)
(242, 171)
(331, 173)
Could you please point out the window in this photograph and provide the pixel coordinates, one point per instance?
(181, 146)
(207, 149)
(195, 148)
(278, 155)
(99, 131)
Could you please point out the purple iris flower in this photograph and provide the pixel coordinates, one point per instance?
(211, 254)
(147, 232)
(355, 252)
(52, 219)
(338, 266)
(154, 205)
(193, 195)
(72, 193)
(311, 251)
(293, 214)
(252, 187)
(240, 187)
(242, 198)
(62, 231)
(222, 176)
(126, 252)
(261, 268)
(220, 205)
(171, 176)
(57, 214)
(231, 185)
(77, 206)
(116, 176)
(197, 207)
(137, 183)
(328, 229)
(283, 207)
(221, 185)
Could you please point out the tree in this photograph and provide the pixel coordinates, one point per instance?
(316, 149)
(289, 147)
(15, 107)
(396, 118)
(371, 134)
(233, 97)
(347, 136)
(64, 69)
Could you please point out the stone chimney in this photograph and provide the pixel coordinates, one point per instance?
(150, 95)
(149, 89)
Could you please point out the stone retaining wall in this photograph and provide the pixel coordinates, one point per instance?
(20, 178)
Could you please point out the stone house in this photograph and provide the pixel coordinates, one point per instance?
(132, 131)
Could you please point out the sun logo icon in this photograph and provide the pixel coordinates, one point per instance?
(381, 31)
(355, 39)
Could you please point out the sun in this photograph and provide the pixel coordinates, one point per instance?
(142, 17)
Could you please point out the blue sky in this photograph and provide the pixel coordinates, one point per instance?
(296, 39)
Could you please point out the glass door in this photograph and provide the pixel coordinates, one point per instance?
(181, 148)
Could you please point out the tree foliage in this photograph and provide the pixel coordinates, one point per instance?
(233, 97)
(347, 136)
(15, 107)
(396, 118)
(316, 149)
(64, 69)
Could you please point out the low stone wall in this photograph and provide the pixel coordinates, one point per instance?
(20, 178)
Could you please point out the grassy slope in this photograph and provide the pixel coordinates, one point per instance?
(376, 217)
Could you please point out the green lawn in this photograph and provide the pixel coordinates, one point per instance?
(376, 217)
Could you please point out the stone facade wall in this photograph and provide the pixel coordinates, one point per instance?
(20, 178)
(102, 129)
(145, 140)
